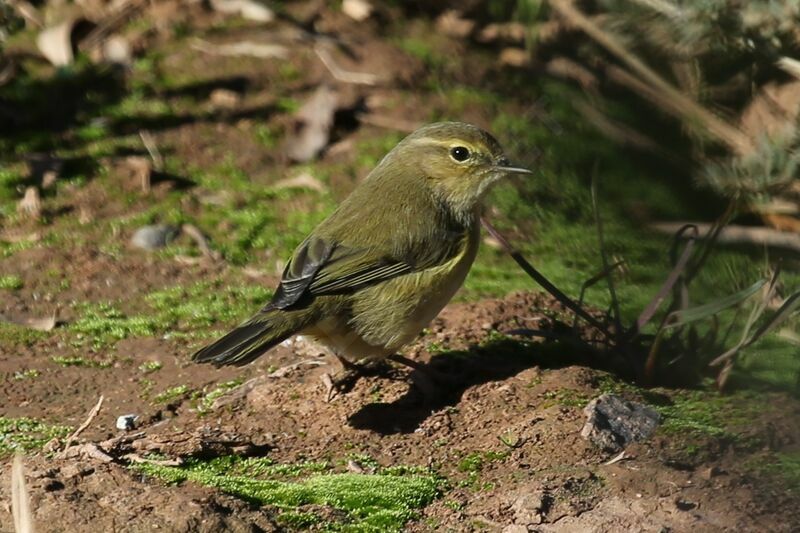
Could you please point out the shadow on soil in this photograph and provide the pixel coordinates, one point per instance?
(493, 361)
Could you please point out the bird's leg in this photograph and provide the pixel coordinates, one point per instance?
(343, 381)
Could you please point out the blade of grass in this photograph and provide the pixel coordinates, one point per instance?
(598, 222)
(672, 278)
(693, 314)
(565, 300)
(593, 281)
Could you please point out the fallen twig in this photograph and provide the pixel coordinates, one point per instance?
(750, 235)
(82, 428)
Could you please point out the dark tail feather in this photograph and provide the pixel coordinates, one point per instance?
(244, 344)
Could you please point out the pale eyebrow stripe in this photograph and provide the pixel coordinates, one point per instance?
(439, 142)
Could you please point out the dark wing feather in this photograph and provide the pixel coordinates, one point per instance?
(319, 268)
(299, 273)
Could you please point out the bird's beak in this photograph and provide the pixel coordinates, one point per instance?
(512, 170)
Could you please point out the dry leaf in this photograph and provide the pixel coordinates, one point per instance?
(39, 324)
(140, 171)
(59, 43)
(224, 98)
(453, 24)
(357, 9)
(313, 123)
(117, 51)
(773, 111)
(514, 57)
(510, 32)
(247, 9)
(243, 48)
(31, 203)
(12, 236)
(301, 181)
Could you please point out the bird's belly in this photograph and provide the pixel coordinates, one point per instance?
(389, 315)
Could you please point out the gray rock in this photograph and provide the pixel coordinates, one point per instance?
(154, 237)
(613, 422)
(126, 422)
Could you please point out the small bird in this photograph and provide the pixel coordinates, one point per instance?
(373, 274)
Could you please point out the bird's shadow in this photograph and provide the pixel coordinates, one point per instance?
(492, 361)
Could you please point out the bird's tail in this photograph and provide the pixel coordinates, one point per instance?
(252, 338)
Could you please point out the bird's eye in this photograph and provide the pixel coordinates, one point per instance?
(459, 153)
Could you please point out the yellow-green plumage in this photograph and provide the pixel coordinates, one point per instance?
(381, 267)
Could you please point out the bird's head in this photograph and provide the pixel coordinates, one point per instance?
(459, 162)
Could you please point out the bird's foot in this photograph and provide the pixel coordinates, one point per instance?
(343, 381)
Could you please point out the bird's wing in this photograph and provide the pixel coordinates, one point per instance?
(319, 267)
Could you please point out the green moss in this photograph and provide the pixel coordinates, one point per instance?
(205, 304)
(102, 324)
(709, 414)
(171, 394)
(787, 467)
(12, 334)
(206, 402)
(10, 282)
(26, 434)
(30, 373)
(150, 366)
(565, 398)
(80, 361)
(375, 502)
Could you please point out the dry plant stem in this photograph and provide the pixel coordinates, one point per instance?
(150, 145)
(20, 499)
(751, 235)
(345, 76)
(87, 422)
(598, 222)
(681, 105)
(661, 6)
(197, 236)
(110, 23)
(544, 282)
(711, 239)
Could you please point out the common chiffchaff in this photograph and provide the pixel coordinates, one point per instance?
(371, 276)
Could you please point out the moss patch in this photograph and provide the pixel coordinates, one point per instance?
(26, 434)
(384, 501)
(10, 282)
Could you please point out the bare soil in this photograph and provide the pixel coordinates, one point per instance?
(516, 405)
(545, 476)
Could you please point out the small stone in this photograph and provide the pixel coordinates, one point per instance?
(710, 472)
(515, 528)
(225, 98)
(126, 422)
(153, 237)
(613, 422)
(530, 507)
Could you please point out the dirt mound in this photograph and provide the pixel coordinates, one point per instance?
(502, 440)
